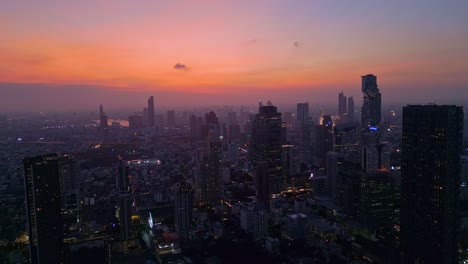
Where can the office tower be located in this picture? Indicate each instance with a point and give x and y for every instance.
(43, 208)
(348, 187)
(430, 184)
(171, 119)
(183, 207)
(377, 205)
(304, 129)
(151, 111)
(102, 117)
(342, 108)
(302, 113)
(124, 200)
(334, 161)
(266, 145)
(350, 113)
(323, 140)
(346, 141)
(371, 110)
(209, 176)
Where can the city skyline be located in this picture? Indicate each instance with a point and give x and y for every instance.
(229, 51)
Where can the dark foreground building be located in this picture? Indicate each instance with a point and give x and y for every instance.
(431, 147)
(43, 208)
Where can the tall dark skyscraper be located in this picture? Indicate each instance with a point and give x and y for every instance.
(350, 113)
(430, 184)
(124, 200)
(208, 179)
(102, 117)
(266, 145)
(183, 207)
(342, 105)
(302, 113)
(151, 111)
(304, 125)
(43, 208)
(371, 111)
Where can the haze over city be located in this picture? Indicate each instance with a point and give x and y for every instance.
(233, 52)
(227, 132)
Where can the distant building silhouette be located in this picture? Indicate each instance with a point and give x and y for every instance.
(102, 117)
(371, 110)
(430, 183)
(342, 107)
(151, 111)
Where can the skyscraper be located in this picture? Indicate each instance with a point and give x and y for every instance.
(305, 129)
(209, 177)
(302, 113)
(183, 207)
(371, 111)
(430, 183)
(43, 209)
(266, 145)
(342, 106)
(124, 200)
(350, 113)
(151, 111)
(102, 117)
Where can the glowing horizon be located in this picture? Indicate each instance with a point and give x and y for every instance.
(216, 46)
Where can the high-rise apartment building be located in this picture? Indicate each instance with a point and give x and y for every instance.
(209, 174)
(183, 208)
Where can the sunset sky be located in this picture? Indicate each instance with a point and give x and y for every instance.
(230, 51)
